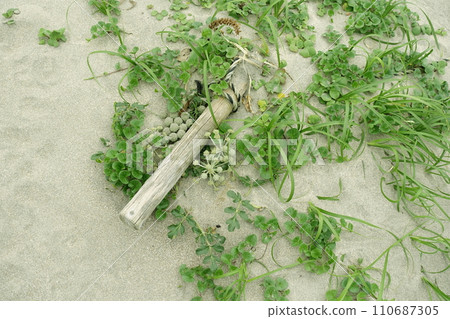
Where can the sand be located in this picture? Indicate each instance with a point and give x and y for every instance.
(60, 235)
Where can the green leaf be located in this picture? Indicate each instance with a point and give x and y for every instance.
(233, 224)
(316, 253)
(251, 240)
(291, 212)
(111, 153)
(281, 284)
(247, 257)
(218, 248)
(226, 259)
(231, 52)
(123, 177)
(296, 241)
(197, 298)
(230, 210)
(244, 215)
(129, 132)
(135, 185)
(331, 295)
(290, 226)
(334, 94)
(292, 133)
(122, 157)
(10, 12)
(326, 97)
(216, 59)
(175, 230)
(137, 124)
(187, 274)
(114, 177)
(98, 157)
(117, 166)
(236, 197)
(202, 250)
(248, 205)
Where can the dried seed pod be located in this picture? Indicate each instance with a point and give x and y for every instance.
(174, 127)
(173, 137)
(173, 115)
(185, 116)
(168, 121)
(226, 21)
(189, 122)
(178, 120)
(181, 133)
(183, 127)
(165, 140)
(166, 131)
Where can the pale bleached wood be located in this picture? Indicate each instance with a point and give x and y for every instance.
(169, 171)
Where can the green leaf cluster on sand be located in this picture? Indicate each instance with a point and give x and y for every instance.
(387, 99)
(52, 38)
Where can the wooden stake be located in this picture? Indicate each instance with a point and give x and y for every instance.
(141, 206)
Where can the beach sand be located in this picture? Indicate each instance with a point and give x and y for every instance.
(60, 235)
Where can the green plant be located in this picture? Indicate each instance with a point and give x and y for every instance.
(182, 28)
(395, 103)
(302, 44)
(106, 7)
(238, 210)
(178, 5)
(210, 243)
(275, 289)
(332, 35)
(434, 287)
(431, 242)
(102, 28)
(329, 7)
(159, 15)
(226, 271)
(129, 164)
(356, 285)
(9, 15)
(315, 235)
(215, 160)
(52, 38)
(205, 3)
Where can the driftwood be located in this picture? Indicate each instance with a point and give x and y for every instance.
(169, 171)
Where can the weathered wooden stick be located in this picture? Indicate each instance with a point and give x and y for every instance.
(141, 206)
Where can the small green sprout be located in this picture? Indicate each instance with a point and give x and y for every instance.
(52, 38)
(9, 14)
